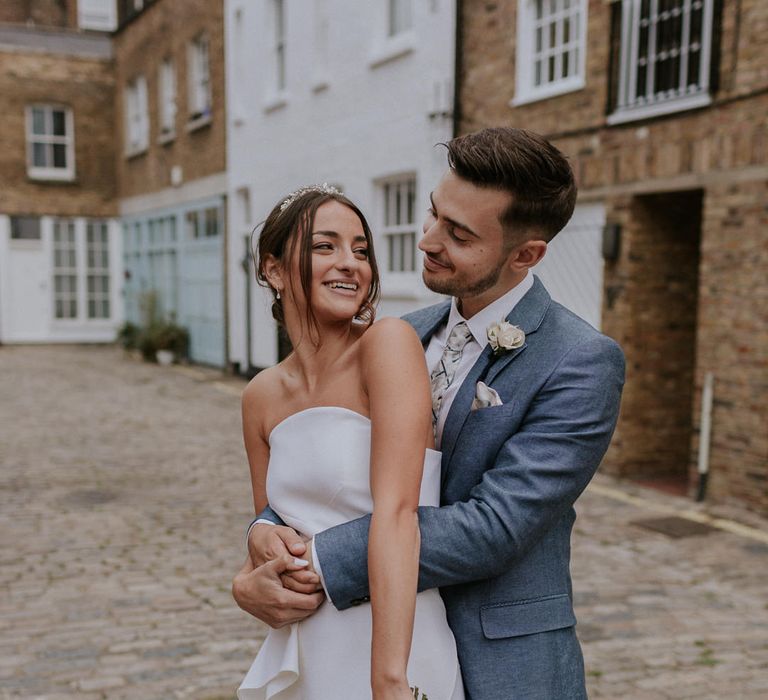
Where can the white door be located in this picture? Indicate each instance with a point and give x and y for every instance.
(572, 269)
(24, 284)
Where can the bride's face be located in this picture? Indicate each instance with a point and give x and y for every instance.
(341, 271)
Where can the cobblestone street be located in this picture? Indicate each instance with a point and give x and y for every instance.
(125, 495)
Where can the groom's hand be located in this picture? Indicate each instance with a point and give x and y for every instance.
(270, 542)
(260, 592)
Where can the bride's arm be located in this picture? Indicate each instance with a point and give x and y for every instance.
(266, 543)
(256, 445)
(397, 383)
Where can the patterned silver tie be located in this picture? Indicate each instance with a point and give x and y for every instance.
(445, 370)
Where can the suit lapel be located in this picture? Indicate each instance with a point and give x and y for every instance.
(528, 314)
(430, 320)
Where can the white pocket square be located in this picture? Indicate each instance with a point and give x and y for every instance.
(485, 396)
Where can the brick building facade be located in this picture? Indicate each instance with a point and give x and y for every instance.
(57, 178)
(170, 132)
(194, 144)
(661, 108)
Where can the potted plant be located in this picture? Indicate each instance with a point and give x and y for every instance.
(171, 341)
(164, 342)
(128, 336)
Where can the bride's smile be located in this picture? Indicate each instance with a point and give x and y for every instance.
(341, 271)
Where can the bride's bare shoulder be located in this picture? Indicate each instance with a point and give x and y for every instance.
(390, 336)
(263, 388)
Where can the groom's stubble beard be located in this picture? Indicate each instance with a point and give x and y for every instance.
(459, 287)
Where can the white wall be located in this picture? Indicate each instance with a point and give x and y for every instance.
(351, 113)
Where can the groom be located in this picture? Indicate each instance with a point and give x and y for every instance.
(522, 419)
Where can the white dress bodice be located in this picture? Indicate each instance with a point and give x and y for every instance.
(319, 469)
(319, 477)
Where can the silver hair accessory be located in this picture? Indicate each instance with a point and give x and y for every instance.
(325, 188)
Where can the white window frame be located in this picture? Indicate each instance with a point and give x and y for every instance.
(399, 259)
(399, 17)
(32, 224)
(278, 46)
(393, 37)
(199, 81)
(536, 49)
(71, 267)
(166, 100)
(320, 77)
(100, 15)
(136, 117)
(67, 270)
(203, 224)
(631, 104)
(48, 139)
(99, 283)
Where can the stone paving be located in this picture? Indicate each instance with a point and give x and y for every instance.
(124, 494)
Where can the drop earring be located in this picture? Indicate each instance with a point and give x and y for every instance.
(278, 294)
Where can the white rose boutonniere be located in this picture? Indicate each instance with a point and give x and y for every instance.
(504, 336)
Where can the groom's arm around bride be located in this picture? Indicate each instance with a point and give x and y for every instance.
(499, 545)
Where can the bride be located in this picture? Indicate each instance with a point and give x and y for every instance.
(340, 428)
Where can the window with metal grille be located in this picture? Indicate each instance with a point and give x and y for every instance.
(551, 48)
(662, 57)
(399, 223)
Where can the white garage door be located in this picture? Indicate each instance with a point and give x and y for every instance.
(572, 269)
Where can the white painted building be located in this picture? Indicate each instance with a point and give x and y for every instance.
(356, 95)
(353, 94)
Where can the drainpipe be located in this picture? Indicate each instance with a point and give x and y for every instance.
(704, 434)
(246, 265)
(457, 70)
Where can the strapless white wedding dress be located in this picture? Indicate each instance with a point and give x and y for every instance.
(318, 477)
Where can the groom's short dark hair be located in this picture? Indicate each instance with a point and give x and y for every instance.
(530, 168)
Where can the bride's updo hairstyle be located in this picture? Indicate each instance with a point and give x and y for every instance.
(288, 228)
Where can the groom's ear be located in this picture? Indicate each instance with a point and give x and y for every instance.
(527, 254)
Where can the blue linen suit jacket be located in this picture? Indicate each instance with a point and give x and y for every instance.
(499, 546)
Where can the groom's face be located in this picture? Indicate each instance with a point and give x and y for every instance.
(464, 248)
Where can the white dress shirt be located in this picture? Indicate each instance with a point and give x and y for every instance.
(495, 312)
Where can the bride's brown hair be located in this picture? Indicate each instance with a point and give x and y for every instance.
(290, 226)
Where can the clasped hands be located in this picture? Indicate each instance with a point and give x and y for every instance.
(277, 583)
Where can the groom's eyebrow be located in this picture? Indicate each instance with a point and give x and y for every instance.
(453, 222)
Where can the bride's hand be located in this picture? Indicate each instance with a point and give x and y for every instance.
(259, 591)
(270, 542)
(304, 580)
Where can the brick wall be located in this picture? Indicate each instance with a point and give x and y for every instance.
(45, 13)
(712, 162)
(733, 339)
(86, 85)
(651, 310)
(139, 49)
